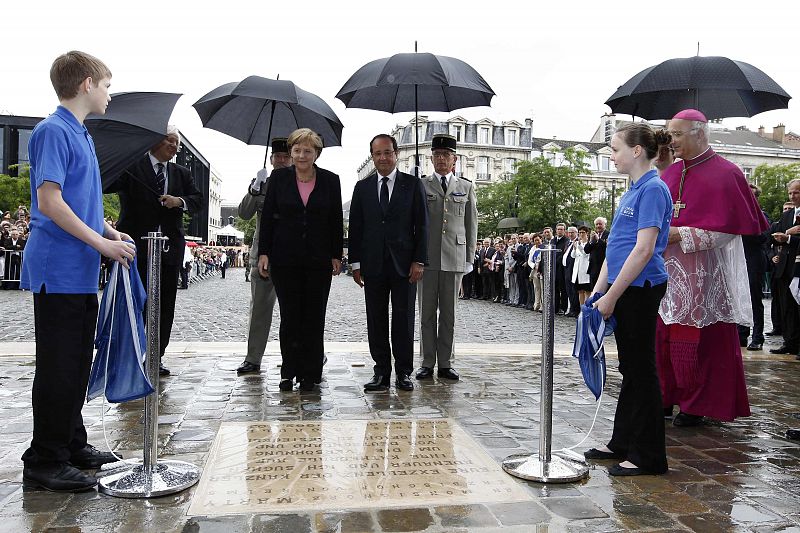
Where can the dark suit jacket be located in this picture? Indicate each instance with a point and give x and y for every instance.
(293, 234)
(141, 212)
(402, 232)
(785, 267)
(597, 254)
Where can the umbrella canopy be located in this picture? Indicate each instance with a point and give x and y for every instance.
(132, 124)
(257, 109)
(588, 347)
(717, 86)
(509, 223)
(416, 82)
(118, 369)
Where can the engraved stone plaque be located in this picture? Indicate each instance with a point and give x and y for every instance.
(295, 466)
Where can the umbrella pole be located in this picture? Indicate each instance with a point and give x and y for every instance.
(544, 467)
(152, 478)
(416, 129)
(269, 131)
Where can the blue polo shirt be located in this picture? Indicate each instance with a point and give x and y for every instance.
(648, 204)
(62, 151)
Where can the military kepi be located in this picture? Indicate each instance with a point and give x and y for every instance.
(279, 144)
(443, 142)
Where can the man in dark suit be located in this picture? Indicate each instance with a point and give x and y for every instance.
(14, 244)
(388, 249)
(596, 248)
(786, 232)
(484, 271)
(154, 194)
(568, 263)
(755, 255)
(560, 241)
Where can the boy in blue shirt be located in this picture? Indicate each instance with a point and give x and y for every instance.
(61, 268)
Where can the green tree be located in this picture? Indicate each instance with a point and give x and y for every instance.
(549, 193)
(773, 180)
(493, 205)
(602, 207)
(248, 227)
(15, 190)
(111, 206)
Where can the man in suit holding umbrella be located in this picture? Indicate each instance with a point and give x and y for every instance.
(388, 249)
(154, 194)
(453, 230)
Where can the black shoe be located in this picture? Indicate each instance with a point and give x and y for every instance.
(755, 347)
(781, 349)
(404, 382)
(378, 383)
(793, 434)
(60, 477)
(617, 470)
(286, 385)
(424, 372)
(307, 385)
(742, 343)
(687, 420)
(162, 370)
(773, 333)
(447, 373)
(594, 453)
(247, 367)
(90, 458)
(668, 412)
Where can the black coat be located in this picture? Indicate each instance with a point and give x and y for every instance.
(141, 212)
(785, 267)
(597, 254)
(402, 232)
(293, 234)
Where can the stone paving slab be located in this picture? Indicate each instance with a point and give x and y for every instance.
(738, 476)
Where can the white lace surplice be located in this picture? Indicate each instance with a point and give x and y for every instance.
(707, 280)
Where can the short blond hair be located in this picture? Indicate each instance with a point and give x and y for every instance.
(305, 136)
(69, 70)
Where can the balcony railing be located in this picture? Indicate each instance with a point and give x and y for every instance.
(483, 177)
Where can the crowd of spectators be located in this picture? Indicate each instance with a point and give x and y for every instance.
(509, 269)
(13, 236)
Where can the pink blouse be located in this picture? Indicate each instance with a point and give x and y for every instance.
(305, 188)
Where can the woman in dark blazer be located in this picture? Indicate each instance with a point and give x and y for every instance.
(300, 247)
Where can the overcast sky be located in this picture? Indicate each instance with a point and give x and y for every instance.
(555, 64)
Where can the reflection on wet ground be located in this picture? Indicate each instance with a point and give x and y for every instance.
(738, 476)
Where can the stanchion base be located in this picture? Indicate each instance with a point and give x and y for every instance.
(168, 477)
(558, 470)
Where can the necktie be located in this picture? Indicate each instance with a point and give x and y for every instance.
(161, 178)
(384, 194)
(444, 183)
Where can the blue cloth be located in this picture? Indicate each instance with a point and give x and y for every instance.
(118, 369)
(590, 331)
(647, 204)
(62, 151)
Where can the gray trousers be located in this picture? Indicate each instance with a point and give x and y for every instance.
(438, 290)
(262, 301)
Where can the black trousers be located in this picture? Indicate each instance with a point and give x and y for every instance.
(64, 326)
(477, 284)
(572, 294)
(561, 288)
(466, 285)
(377, 292)
(522, 285)
(639, 419)
(790, 315)
(776, 309)
(487, 284)
(756, 298)
(303, 298)
(169, 292)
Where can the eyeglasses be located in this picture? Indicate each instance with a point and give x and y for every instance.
(385, 153)
(441, 155)
(677, 134)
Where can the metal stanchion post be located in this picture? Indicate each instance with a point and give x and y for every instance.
(153, 477)
(544, 467)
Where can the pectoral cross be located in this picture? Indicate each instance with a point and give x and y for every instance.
(676, 208)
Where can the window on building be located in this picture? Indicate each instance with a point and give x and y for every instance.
(460, 166)
(421, 131)
(483, 136)
(508, 165)
(551, 157)
(455, 131)
(511, 137)
(605, 163)
(483, 169)
(22, 152)
(748, 172)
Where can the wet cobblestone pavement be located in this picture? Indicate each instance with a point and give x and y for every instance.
(737, 476)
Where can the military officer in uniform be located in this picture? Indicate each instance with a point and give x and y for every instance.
(453, 231)
(262, 292)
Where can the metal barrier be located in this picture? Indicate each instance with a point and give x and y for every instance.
(545, 467)
(152, 478)
(10, 267)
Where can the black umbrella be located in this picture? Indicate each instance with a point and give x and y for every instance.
(256, 109)
(414, 82)
(717, 86)
(132, 124)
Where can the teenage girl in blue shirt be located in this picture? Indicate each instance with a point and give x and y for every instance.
(634, 280)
